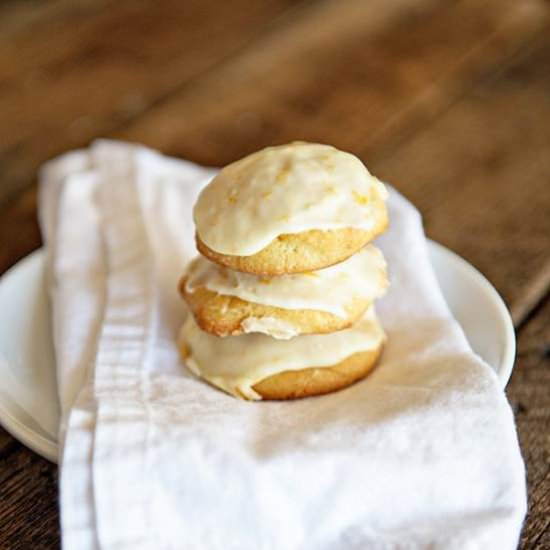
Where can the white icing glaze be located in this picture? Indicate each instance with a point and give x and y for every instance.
(330, 289)
(276, 328)
(285, 189)
(236, 363)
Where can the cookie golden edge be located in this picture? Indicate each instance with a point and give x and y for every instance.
(313, 381)
(319, 380)
(301, 252)
(224, 315)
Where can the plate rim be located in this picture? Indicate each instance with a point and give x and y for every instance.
(509, 353)
(40, 444)
(34, 440)
(48, 448)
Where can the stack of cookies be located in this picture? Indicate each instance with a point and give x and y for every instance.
(282, 294)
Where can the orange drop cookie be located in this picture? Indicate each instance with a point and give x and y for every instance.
(227, 315)
(301, 252)
(226, 302)
(255, 366)
(289, 209)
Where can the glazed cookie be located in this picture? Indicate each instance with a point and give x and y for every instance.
(319, 380)
(226, 302)
(255, 366)
(301, 252)
(289, 209)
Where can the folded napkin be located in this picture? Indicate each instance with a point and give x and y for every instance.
(421, 454)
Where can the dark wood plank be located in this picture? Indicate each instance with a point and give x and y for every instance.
(473, 149)
(17, 15)
(543, 542)
(104, 67)
(28, 506)
(479, 174)
(216, 130)
(377, 93)
(530, 398)
(360, 78)
(7, 443)
(106, 63)
(19, 231)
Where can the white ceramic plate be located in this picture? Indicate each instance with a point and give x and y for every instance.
(29, 407)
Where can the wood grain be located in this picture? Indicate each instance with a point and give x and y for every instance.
(96, 65)
(479, 175)
(19, 232)
(7, 443)
(528, 392)
(384, 94)
(28, 507)
(17, 15)
(361, 78)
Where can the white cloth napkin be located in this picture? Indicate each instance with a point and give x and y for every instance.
(421, 454)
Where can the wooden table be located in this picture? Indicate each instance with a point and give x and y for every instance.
(449, 101)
